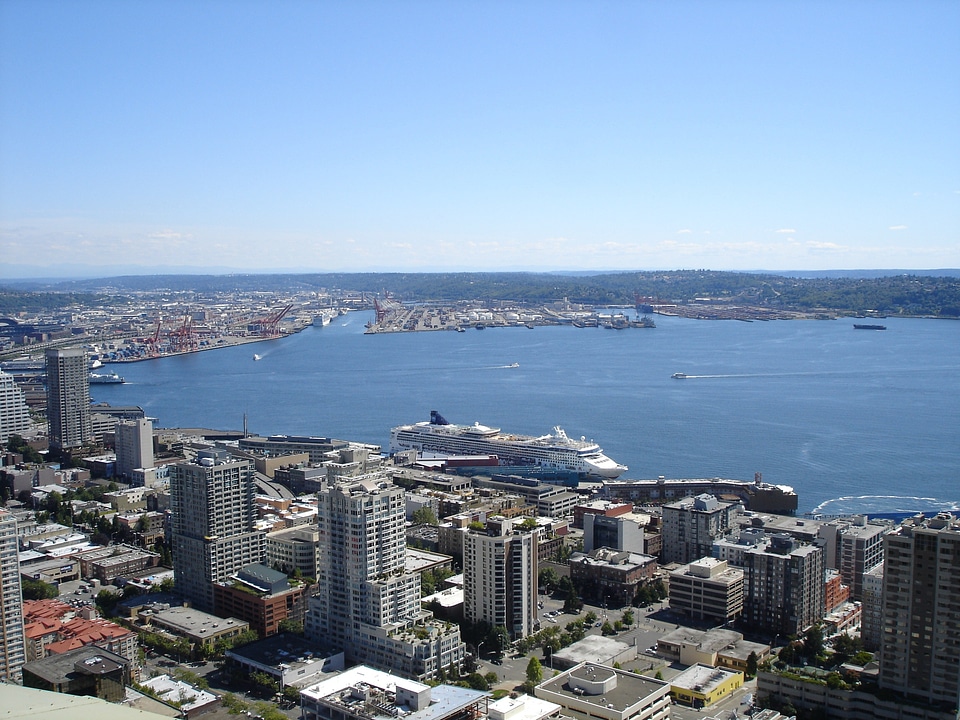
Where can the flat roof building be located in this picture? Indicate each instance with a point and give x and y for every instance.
(591, 691)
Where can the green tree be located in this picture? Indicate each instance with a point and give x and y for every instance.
(547, 579)
(425, 516)
(628, 618)
(534, 671)
(37, 589)
(751, 665)
(477, 681)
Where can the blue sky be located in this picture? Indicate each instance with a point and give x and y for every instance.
(422, 136)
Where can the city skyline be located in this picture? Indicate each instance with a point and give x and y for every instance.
(420, 136)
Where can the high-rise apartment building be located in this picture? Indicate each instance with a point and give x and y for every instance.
(920, 621)
(14, 413)
(367, 603)
(853, 547)
(500, 576)
(12, 647)
(691, 525)
(783, 586)
(133, 441)
(68, 398)
(212, 523)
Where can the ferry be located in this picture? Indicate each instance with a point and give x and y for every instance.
(105, 379)
(554, 452)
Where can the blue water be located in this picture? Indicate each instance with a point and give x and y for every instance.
(854, 420)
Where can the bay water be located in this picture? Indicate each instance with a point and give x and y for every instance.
(853, 420)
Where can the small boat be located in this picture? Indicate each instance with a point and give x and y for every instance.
(257, 357)
(679, 376)
(869, 327)
(513, 365)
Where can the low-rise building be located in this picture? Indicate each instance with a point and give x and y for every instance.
(700, 686)
(84, 671)
(611, 577)
(262, 597)
(717, 647)
(198, 627)
(600, 692)
(191, 700)
(362, 693)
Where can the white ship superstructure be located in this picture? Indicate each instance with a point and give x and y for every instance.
(556, 451)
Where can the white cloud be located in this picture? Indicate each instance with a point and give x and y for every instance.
(788, 231)
(898, 227)
(815, 245)
(685, 231)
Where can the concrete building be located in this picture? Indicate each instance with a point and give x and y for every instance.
(606, 508)
(367, 603)
(68, 398)
(920, 644)
(85, 671)
(707, 589)
(12, 648)
(691, 525)
(133, 441)
(871, 605)
(364, 693)
(853, 547)
(500, 569)
(600, 692)
(212, 523)
(14, 413)
(198, 627)
(717, 647)
(296, 548)
(617, 532)
(784, 586)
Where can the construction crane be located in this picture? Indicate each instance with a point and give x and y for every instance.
(153, 341)
(270, 325)
(184, 339)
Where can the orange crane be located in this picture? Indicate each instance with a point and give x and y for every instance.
(184, 339)
(270, 325)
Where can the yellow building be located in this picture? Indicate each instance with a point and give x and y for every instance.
(701, 685)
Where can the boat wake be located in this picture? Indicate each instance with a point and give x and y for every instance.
(884, 505)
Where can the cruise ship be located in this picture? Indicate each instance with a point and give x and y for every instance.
(555, 452)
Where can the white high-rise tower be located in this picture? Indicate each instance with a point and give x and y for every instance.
(367, 603)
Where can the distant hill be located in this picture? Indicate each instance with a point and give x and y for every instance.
(887, 292)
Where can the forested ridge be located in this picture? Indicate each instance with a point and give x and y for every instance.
(904, 294)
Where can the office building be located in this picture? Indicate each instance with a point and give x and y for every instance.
(12, 648)
(707, 589)
(783, 586)
(617, 532)
(500, 575)
(691, 525)
(14, 413)
(920, 622)
(133, 441)
(68, 398)
(212, 523)
(367, 602)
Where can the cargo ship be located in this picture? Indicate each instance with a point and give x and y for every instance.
(555, 452)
